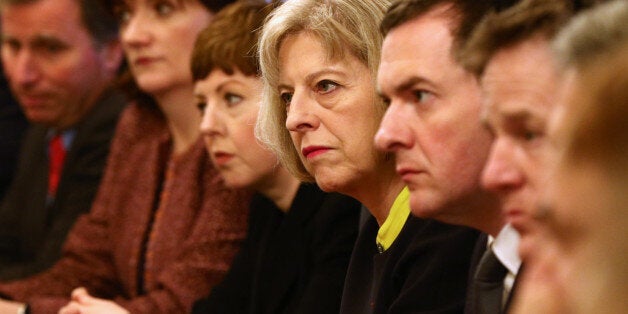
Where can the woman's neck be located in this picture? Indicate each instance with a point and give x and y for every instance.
(378, 191)
(182, 117)
(281, 188)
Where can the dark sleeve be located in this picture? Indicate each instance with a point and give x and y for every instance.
(478, 251)
(435, 269)
(12, 127)
(233, 294)
(13, 124)
(336, 229)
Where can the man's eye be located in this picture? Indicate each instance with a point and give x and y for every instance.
(201, 107)
(49, 47)
(12, 45)
(326, 86)
(164, 8)
(122, 13)
(530, 135)
(53, 48)
(422, 96)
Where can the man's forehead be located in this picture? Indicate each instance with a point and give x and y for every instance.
(514, 112)
(47, 16)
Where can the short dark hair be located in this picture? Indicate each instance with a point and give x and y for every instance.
(229, 42)
(465, 13)
(99, 22)
(510, 27)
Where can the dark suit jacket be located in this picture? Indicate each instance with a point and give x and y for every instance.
(32, 233)
(478, 251)
(290, 263)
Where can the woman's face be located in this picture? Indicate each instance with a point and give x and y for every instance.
(331, 113)
(229, 104)
(158, 37)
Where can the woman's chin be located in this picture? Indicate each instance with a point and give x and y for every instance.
(330, 184)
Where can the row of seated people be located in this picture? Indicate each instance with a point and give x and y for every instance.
(386, 157)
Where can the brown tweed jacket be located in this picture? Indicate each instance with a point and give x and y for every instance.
(194, 237)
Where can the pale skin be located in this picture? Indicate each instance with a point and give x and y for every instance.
(10, 307)
(331, 118)
(83, 303)
(229, 105)
(432, 124)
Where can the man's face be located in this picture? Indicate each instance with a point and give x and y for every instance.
(520, 85)
(50, 60)
(432, 123)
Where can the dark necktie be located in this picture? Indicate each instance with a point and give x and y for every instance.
(488, 284)
(56, 155)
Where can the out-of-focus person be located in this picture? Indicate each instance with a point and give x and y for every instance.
(320, 112)
(295, 256)
(578, 258)
(163, 228)
(511, 52)
(60, 58)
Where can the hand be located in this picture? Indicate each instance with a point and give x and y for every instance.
(83, 303)
(10, 307)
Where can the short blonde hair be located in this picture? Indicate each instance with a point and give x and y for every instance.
(342, 26)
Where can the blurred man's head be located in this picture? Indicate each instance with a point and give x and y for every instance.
(59, 55)
(512, 54)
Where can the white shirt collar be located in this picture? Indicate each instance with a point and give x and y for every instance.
(506, 246)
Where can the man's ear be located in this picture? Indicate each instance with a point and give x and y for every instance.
(112, 55)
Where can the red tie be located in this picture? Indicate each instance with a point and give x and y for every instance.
(57, 155)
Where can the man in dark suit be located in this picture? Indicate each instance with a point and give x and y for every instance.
(433, 128)
(511, 53)
(60, 58)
